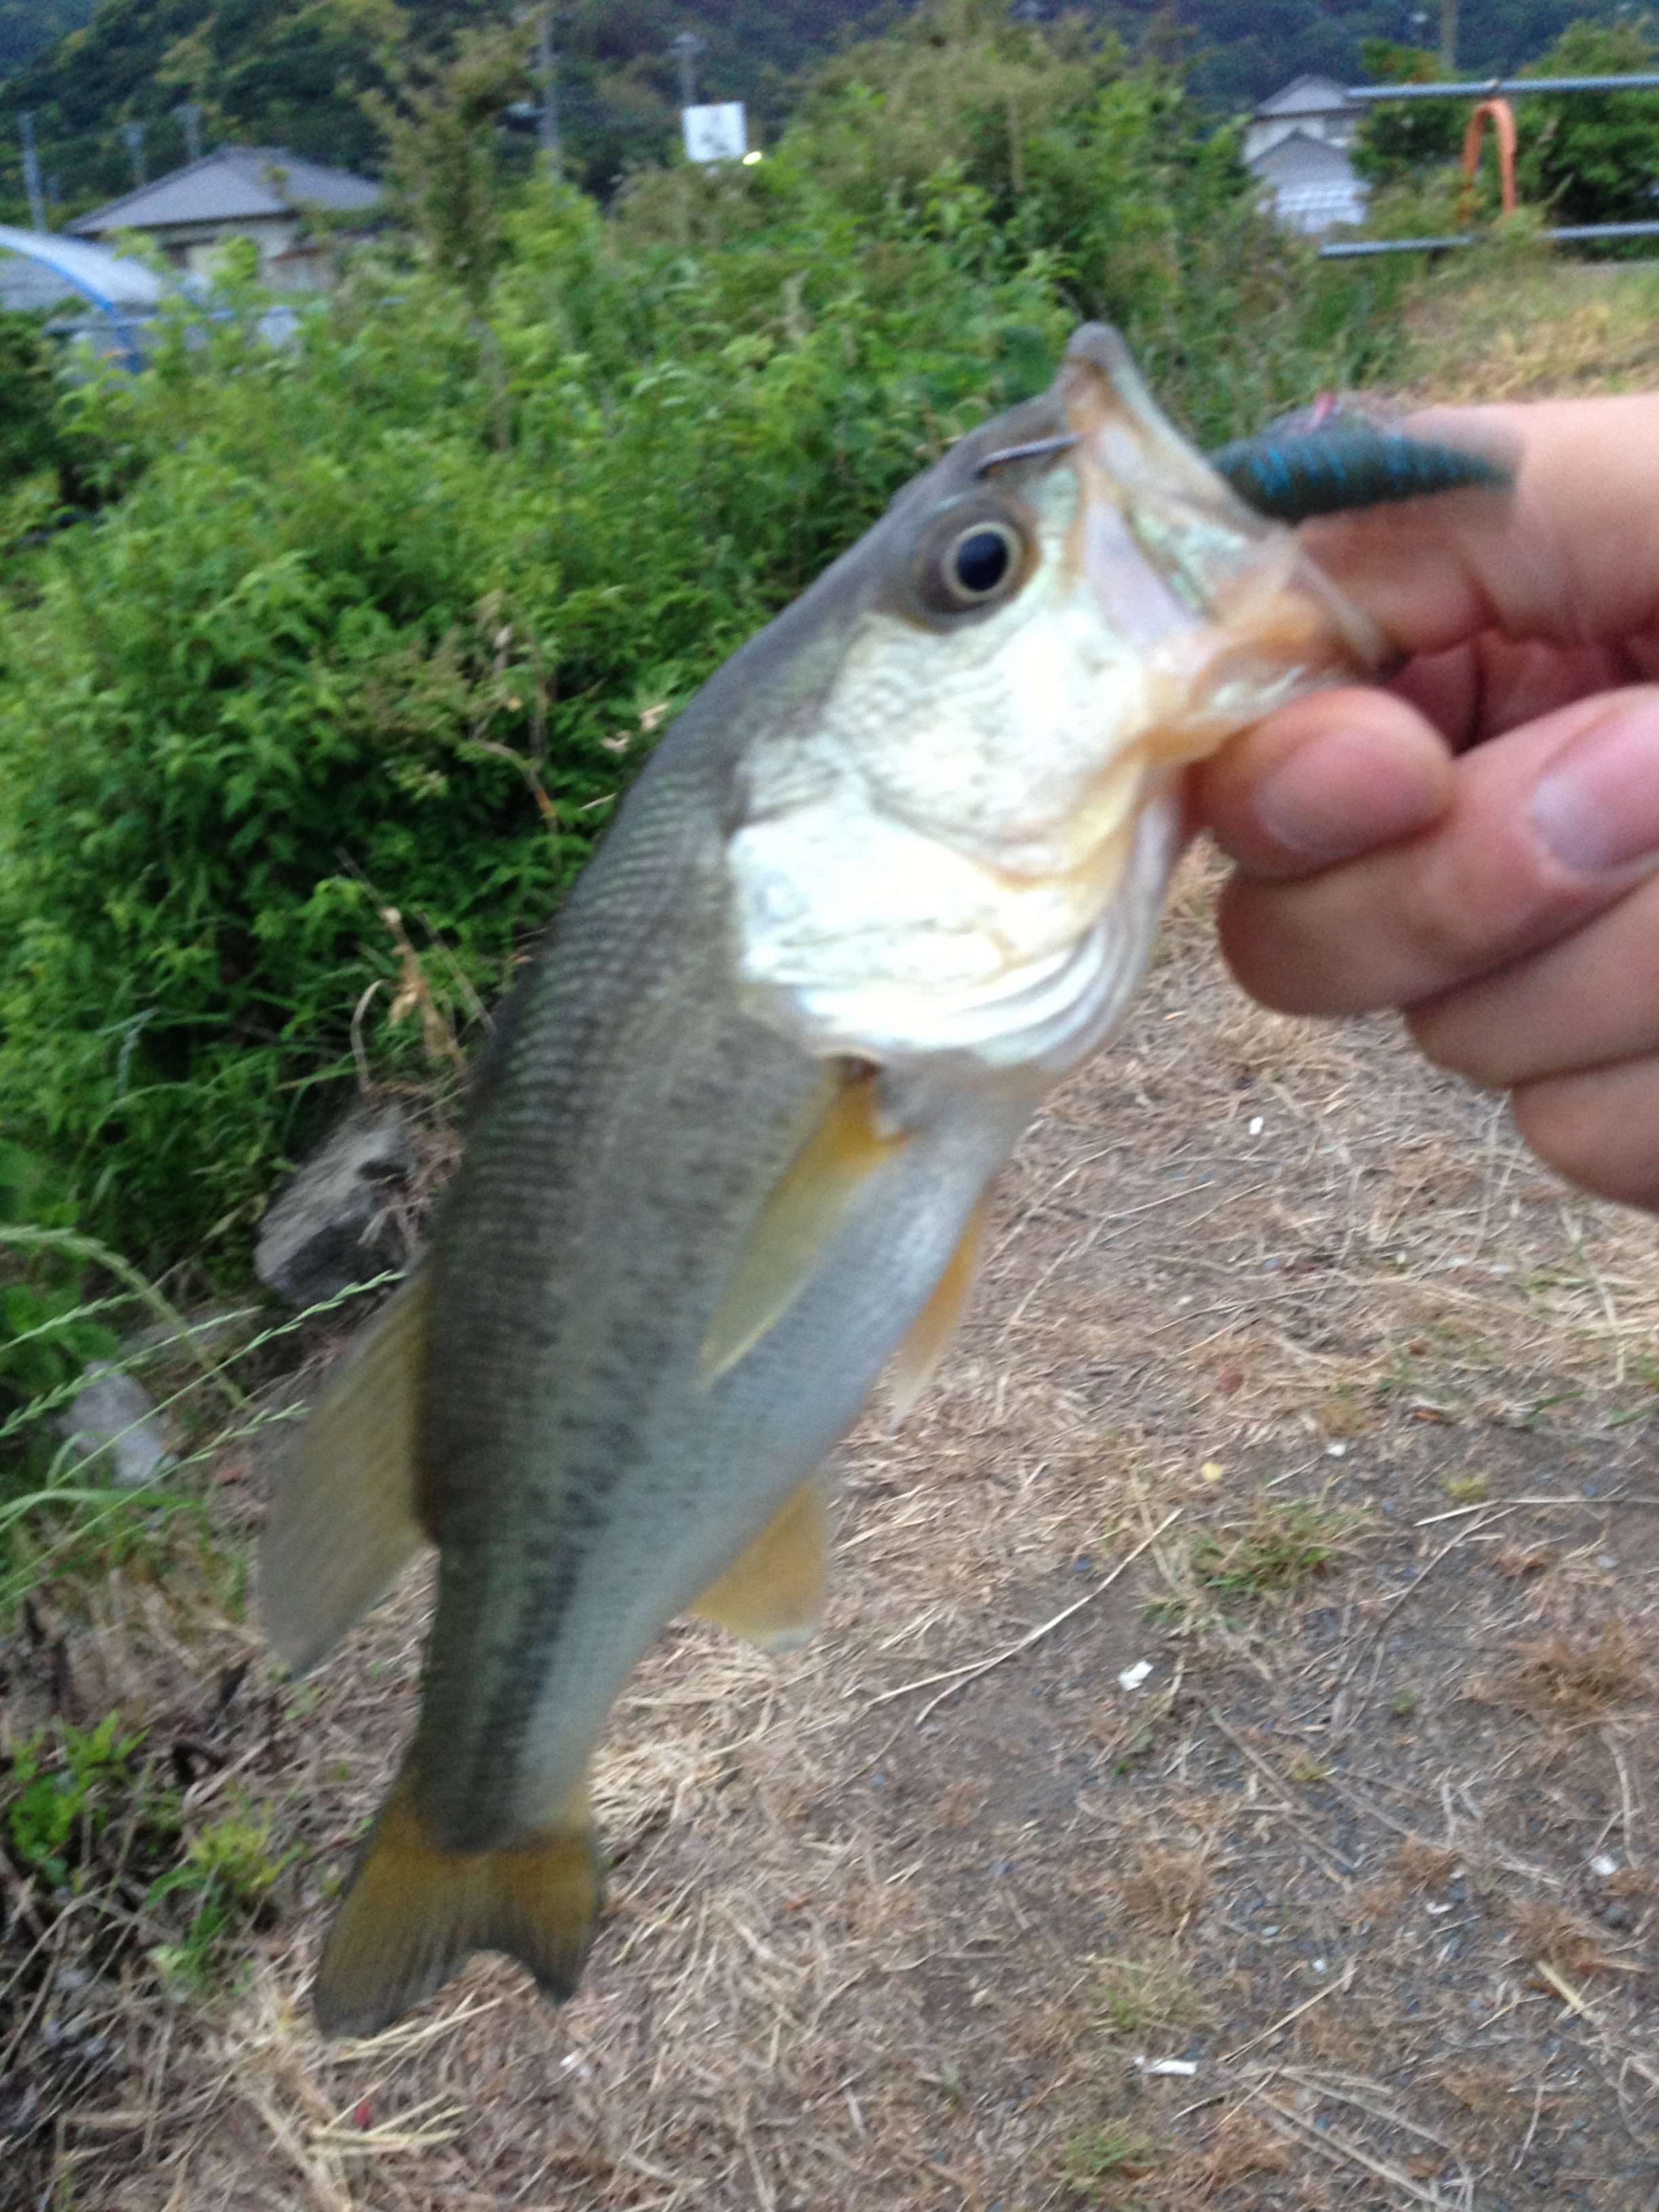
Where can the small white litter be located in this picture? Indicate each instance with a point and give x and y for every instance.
(1257, 1125)
(1186, 2068)
(1603, 1866)
(1133, 1677)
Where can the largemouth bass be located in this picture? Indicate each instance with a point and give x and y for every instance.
(894, 871)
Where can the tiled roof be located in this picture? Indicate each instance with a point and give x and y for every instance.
(231, 184)
(1305, 95)
(1299, 158)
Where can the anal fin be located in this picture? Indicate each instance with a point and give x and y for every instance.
(344, 1522)
(916, 1362)
(773, 1593)
(414, 1914)
(802, 1217)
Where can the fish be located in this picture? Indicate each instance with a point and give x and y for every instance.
(893, 873)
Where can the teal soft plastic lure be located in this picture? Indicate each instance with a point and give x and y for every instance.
(1294, 477)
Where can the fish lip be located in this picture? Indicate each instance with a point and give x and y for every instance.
(1203, 552)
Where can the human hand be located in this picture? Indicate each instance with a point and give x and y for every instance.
(1479, 844)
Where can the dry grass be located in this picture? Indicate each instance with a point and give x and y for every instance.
(1367, 1859)
(1532, 329)
(1580, 1676)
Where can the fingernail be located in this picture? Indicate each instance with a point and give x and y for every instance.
(1597, 806)
(1344, 793)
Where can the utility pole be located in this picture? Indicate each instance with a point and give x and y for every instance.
(188, 115)
(1448, 36)
(685, 50)
(547, 70)
(31, 173)
(134, 134)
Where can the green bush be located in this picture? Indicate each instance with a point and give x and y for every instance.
(1594, 157)
(28, 398)
(1399, 139)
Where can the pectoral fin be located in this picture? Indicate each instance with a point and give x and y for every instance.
(918, 1356)
(413, 1914)
(773, 1593)
(802, 1217)
(344, 1522)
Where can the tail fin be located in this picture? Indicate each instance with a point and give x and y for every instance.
(413, 1914)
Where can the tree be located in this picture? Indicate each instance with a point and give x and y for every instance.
(1398, 138)
(442, 135)
(1594, 156)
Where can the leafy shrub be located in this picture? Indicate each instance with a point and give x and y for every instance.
(1594, 156)
(1400, 138)
(28, 398)
(91, 1825)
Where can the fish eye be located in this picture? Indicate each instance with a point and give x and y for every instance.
(979, 560)
(975, 565)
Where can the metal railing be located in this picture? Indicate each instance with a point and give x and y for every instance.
(1499, 88)
(1360, 249)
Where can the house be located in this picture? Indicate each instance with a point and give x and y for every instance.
(1296, 143)
(1317, 106)
(257, 192)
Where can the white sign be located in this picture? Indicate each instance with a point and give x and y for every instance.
(715, 133)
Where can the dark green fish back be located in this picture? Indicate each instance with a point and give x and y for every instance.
(1337, 470)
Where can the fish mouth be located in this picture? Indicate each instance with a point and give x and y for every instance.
(1177, 563)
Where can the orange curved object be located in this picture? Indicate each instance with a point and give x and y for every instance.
(1501, 117)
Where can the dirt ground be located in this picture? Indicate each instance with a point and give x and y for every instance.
(1225, 1779)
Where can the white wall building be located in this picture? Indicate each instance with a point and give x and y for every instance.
(1317, 105)
(1296, 144)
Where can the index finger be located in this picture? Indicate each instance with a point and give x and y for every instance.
(1571, 557)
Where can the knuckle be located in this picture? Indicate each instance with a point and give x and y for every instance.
(1450, 1034)
(1283, 966)
(1474, 902)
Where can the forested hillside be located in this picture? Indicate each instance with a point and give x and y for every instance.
(28, 27)
(291, 72)
(1240, 54)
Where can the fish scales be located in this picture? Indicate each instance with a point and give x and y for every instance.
(893, 873)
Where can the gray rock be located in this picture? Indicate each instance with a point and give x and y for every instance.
(332, 1226)
(113, 1426)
